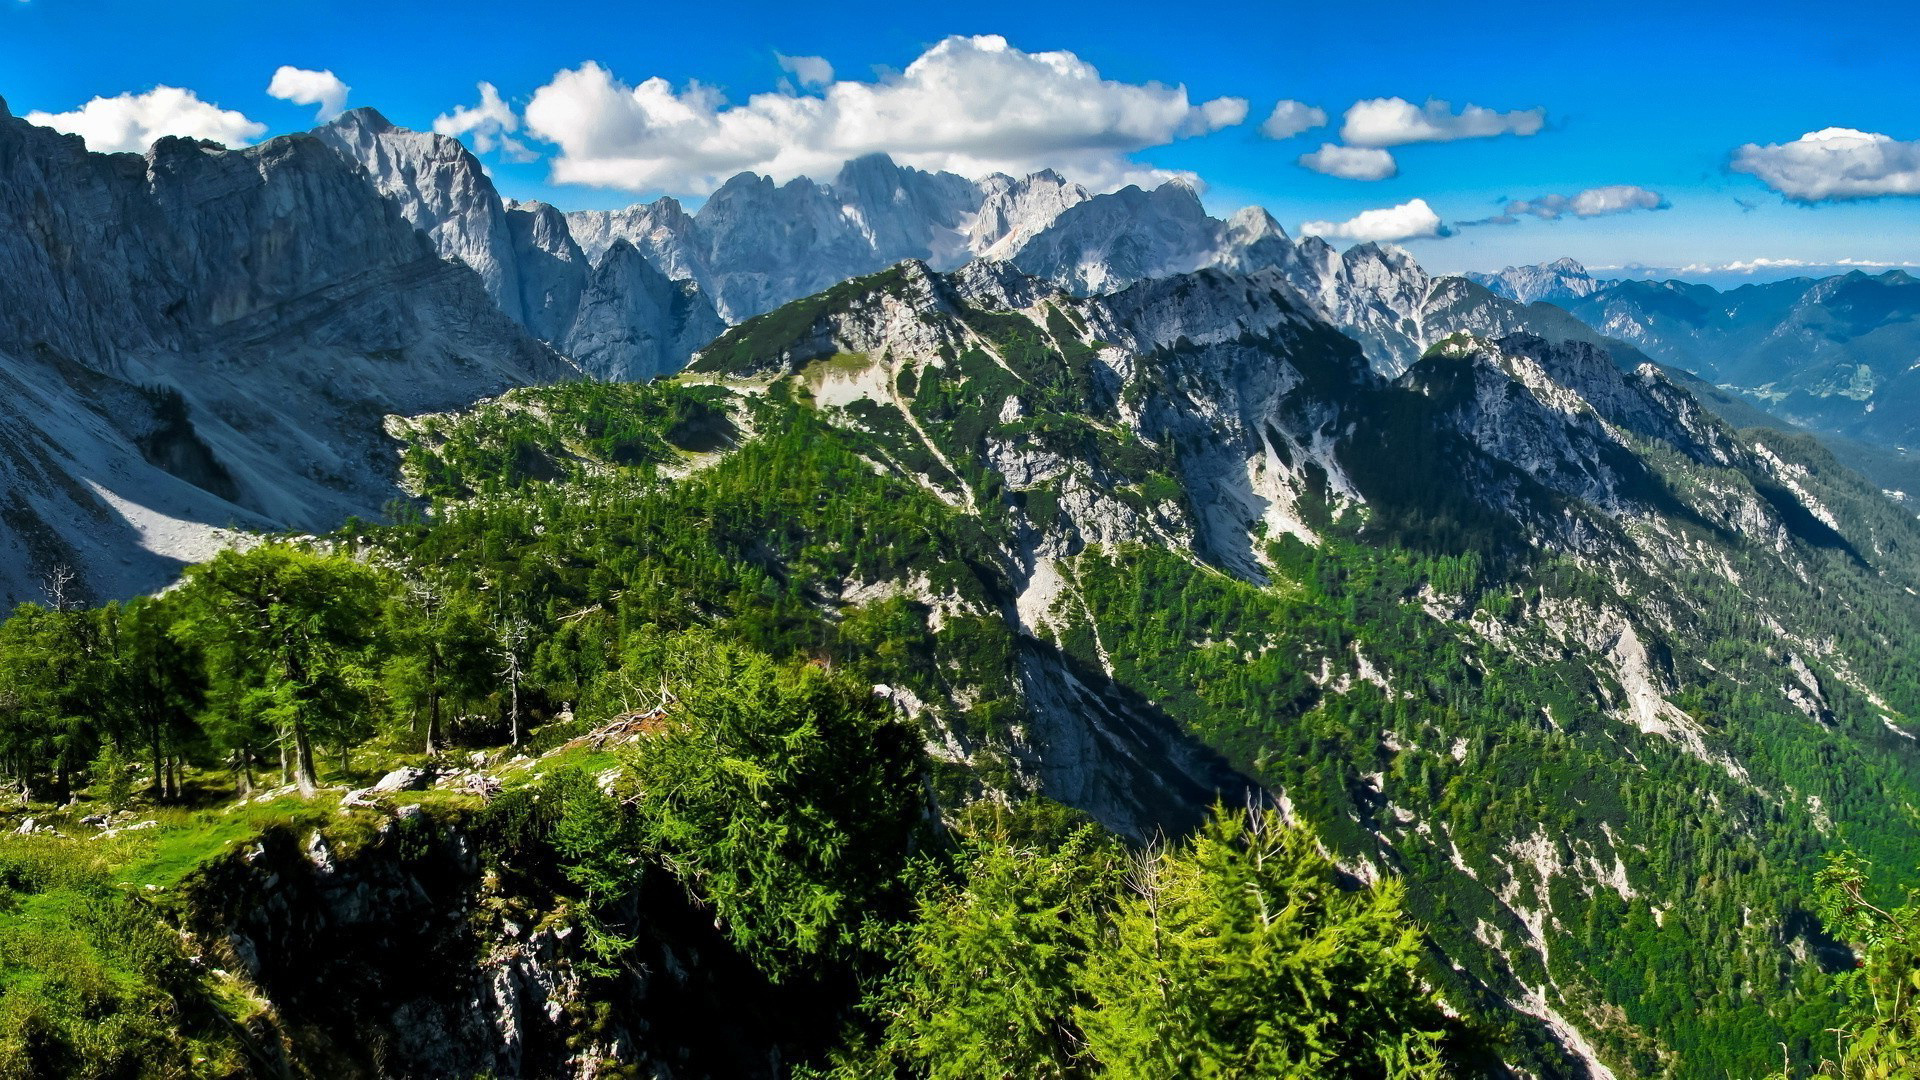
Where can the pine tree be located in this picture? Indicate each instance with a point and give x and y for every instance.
(1238, 954)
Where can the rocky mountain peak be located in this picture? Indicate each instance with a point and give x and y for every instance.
(869, 171)
(1251, 224)
(440, 188)
(1559, 281)
(364, 118)
(207, 337)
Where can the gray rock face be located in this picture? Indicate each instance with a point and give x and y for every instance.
(1111, 241)
(202, 338)
(553, 270)
(525, 255)
(440, 189)
(756, 245)
(1014, 211)
(633, 323)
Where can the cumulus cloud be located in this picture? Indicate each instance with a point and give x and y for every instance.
(303, 87)
(1408, 221)
(807, 70)
(1290, 118)
(1834, 163)
(971, 105)
(1397, 121)
(487, 127)
(1351, 162)
(131, 122)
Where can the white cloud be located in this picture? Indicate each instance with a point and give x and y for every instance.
(488, 126)
(808, 70)
(303, 87)
(1290, 118)
(1408, 221)
(1593, 202)
(1397, 121)
(131, 122)
(1834, 163)
(1351, 162)
(971, 105)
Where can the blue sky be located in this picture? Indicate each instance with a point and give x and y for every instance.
(1652, 98)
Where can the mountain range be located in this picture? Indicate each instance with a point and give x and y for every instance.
(1539, 635)
(1501, 583)
(631, 294)
(1833, 356)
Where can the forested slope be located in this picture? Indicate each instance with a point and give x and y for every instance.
(886, 630)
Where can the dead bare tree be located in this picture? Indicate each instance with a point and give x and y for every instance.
(512, 635)
(56, 586)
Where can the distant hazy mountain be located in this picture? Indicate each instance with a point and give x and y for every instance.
(755, 244)
(1835, 355)
(1557, 282)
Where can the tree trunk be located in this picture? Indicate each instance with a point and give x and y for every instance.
(514, 714)
(303, 770)
(159, 789)
(433, 698)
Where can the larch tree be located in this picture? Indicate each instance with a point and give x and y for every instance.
(288, 635)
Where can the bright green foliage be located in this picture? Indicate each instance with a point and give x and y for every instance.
(90, 984)
(1238, 954)
(150, 686)
(288, 635)
(50, 674)
(112, 779)
(1235, 953)
(987, 982)
(1880, 1039)
(441, 659)
(787, 798)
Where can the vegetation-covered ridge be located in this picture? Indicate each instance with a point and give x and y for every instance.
(1583, 680)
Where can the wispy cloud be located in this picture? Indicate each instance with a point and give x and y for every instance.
(1756, 266)
(1351, 162)
(1593, 202)
(806, 70)
(488, 126)
(1290, 118)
